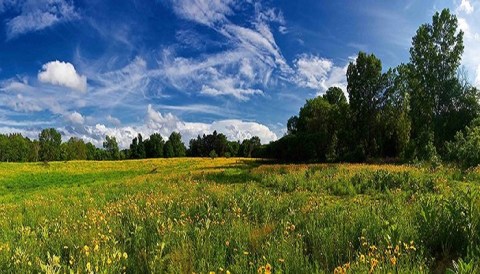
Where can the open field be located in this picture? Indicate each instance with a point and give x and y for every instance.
(234, 215)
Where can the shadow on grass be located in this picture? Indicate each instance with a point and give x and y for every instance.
(235, 173)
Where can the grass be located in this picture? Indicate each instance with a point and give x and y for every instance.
(237, 215)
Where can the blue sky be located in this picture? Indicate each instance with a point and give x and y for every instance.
(98, 67)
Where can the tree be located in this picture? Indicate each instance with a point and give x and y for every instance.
(365, 86)
(436, 94)
(111, 148)
(174, 147)
(154, 146)
(137, 148)
(292, 125)
(465, 148)
(75, 149)
(213, 154)
(248, 146)
(395, 120)
(50, 140)
(91, 151)
(168, 150)
(233, 148)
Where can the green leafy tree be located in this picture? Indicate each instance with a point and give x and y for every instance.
(438, 99)
(154, 146)
(168, 150)
(178, 147)
(75, 149)
(112, 151)
(50, 141)
(365, 86)
(137, 148)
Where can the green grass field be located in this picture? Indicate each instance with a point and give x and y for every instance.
(235, 216)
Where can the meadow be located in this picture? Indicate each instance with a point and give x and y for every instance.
(194, 215)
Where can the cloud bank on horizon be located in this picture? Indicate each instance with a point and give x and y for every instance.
(193, 66)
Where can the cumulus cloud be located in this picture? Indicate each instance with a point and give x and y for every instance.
(37, 15)
(318, 73)
(234, 129)
(465, 6)
(62, 74)
(165, 124)
(75, 118)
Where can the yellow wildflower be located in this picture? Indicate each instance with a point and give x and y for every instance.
(56, 260)
(89, 267)
(268, 268)
(393, 260)
(125, 255)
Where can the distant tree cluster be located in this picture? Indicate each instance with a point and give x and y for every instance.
(49, 147)
(416, 111)
(217, 145)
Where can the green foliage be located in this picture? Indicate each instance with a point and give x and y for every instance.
(440, 104)
(365, 87)
(50, 140)
(178, 148)
(154, 146)
(137, 148)
(213, 154)
(203, 146)
(111, 149)
(465, 148)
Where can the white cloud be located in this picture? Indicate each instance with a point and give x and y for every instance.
(318, 73)
(206, 12)
(165, 124)
(469, 22)
(243, 69)
(62, 74)
(37, 15)
(465, 6)
(113, 120)
(464, 26)
(75, 118)
(234, 129)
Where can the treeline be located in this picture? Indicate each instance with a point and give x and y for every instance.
(49, 147)
(416, 111)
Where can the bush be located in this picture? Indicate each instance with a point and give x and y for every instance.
(465, 149)
(213, 154)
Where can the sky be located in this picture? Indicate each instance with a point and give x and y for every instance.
(93, 68)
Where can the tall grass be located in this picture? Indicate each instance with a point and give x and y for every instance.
(235, 215)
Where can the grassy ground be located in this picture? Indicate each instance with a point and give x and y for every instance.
(235, 215)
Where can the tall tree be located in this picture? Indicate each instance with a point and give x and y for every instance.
(436, 94)
(175, 148)
(50, 140)
(137, 148)
(365, 86)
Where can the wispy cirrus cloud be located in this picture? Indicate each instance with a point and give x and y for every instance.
(36, 15)
(242, 70)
